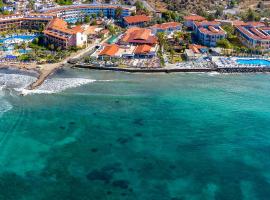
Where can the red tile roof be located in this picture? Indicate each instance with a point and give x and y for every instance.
(142, 49)
(139, 35)
(109, 50)
(194, 18)
(253, 32)
(136, 19)
(238, 23)
(195, 47)
(78, 29)
(207, 23)
(167, 25)
(255, 24)
(62, 26)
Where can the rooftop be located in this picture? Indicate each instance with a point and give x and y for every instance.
(256, 31)
(194, 18)
(139, 35)
(210, 27)
(167, 25)
(136, 19)
(142, 49)
(109, 50)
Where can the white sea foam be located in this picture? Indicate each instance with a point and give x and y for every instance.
(213, 73)
(4, 106)
(56, 85)
(15, 81)
(19, 83)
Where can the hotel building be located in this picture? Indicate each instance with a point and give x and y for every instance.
(33, 21)
(73, 13)
(208, 32)
(58, 34)
(254, 35)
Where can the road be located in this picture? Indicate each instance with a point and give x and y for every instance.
(148, 6)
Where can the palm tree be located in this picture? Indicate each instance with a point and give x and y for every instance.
(118, 12)
(177, 35)
(162, 40)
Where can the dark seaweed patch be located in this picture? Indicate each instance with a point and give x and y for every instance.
(138, 134)
(138, 122)
(123, 184)
(112, 168)
(94, 150)
(122, 140)
(97, 175)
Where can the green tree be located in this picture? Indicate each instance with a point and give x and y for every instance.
(161, 40)
(224, 43)
(118, 12)
(87, 19)
(36, 41)
(139, 6)
(112, 29)
(51, 47)
(94, 15)
(100, 14)
(210, 17)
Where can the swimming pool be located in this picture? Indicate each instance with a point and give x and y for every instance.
(253, 62)
(18, 38)
(112, 39)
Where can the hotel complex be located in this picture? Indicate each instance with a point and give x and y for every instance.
(254, 35)
(132, 36)
(135, 43)
(74, 12)
(208, 32)
(54, 22)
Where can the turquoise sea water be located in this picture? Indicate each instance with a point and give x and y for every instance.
(135, 136)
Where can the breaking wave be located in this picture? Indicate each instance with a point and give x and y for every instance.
(56, 85)
(18, 82)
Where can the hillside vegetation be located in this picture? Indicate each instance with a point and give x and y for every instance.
(199, 5)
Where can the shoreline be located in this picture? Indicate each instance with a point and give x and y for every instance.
(178, 70)
(46, 70)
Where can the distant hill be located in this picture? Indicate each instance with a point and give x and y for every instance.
(196, 5)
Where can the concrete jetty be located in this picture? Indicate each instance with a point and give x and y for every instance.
(44, 72)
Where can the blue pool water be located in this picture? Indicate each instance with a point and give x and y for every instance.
(23, 37)
(253, 62)
(23, 51)
(113, 39)
(72, 20)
